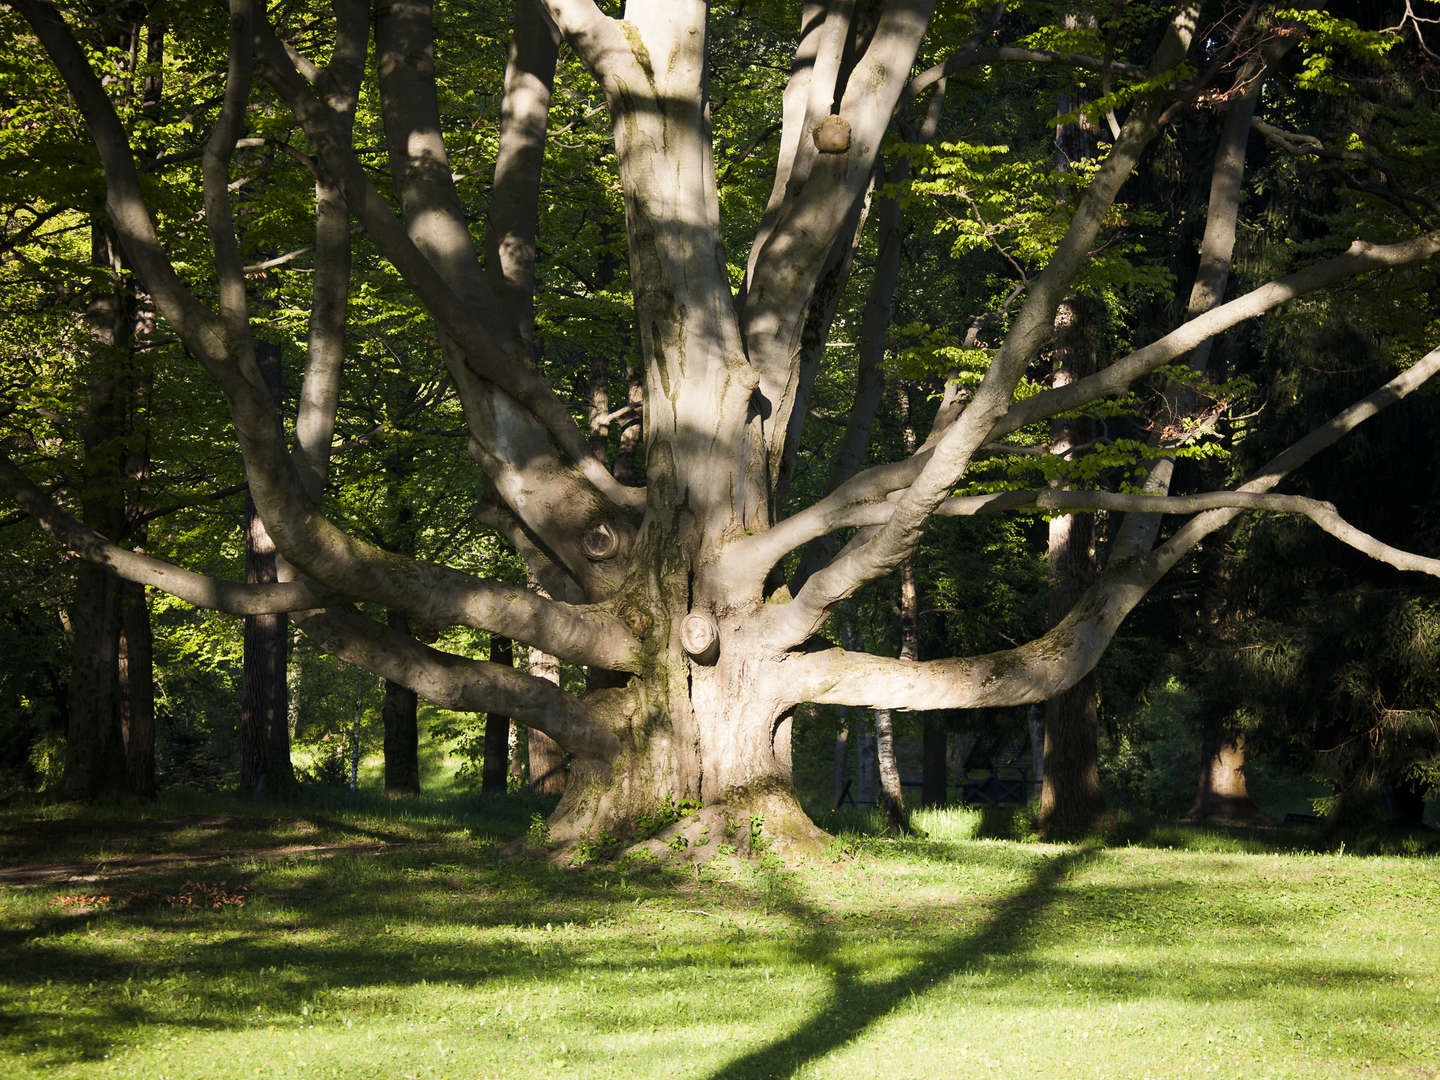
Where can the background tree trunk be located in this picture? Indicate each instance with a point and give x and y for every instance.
(265, 765)
(94, 749)
(892, 795)
(95, 765)
(494, 776)
(1223, 797)
(400, 715)
(136, 690)
(1070, 798)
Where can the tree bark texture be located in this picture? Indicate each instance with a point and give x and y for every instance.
(94, 747)
(892, 794)
(546, 758)
(136, 689)
(107, 707)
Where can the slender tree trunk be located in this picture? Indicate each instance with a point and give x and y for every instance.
(1037, 750)
(892, 795)
(518, 761)
(865, 769)
(627, 468)
(892, 798)
(265, 765)
(493, 778)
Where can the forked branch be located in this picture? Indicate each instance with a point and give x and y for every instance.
(1042, 668)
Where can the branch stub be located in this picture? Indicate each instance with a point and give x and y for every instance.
(832, 135)
(600, 542)
(700, 637)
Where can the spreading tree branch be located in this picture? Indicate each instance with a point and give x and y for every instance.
(948, 459)
(1048, 665)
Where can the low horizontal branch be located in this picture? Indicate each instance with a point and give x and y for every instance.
(456, 682)
(233, 598)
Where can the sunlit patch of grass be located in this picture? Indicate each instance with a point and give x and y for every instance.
(932, 956)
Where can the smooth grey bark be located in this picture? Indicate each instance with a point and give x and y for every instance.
(514, 212)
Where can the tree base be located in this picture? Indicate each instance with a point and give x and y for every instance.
(747, 825)
(1227, 810)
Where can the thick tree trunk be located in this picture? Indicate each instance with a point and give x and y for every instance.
(493, 776)
(265, 765)
(704, 720)
(716, 750)
(1070, 798)
(1222, 797)
(95, 765)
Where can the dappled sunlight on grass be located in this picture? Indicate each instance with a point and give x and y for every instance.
(430, 955)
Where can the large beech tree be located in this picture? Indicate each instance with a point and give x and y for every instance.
(672, 586)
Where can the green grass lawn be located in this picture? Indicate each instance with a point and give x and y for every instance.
(393, 940)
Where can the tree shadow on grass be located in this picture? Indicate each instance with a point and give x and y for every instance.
(321, 932)
(856, 1004)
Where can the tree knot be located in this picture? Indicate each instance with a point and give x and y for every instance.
(600, 541)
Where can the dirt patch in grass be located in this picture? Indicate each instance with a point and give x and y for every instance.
(120, 866)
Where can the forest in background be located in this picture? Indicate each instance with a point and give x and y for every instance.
(1271, 639)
